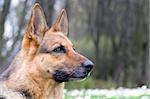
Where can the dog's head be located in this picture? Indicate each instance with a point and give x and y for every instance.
(50, 51)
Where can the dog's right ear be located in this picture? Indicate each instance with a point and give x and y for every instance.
(61, 23)
(36, 27)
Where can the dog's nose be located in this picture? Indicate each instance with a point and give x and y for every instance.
(88, 65)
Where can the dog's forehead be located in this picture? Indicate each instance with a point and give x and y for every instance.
(57, 37)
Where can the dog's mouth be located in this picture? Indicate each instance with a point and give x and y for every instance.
(63, 76)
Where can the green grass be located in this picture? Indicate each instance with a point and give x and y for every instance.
(90, 83)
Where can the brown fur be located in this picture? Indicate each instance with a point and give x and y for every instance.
(35, 71)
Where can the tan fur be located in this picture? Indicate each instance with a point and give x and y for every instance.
(31, 70)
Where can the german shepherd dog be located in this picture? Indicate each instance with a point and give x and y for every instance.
(46, 60)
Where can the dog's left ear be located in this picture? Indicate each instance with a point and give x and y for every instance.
(61, 23)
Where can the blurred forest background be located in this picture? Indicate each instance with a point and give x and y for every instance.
(112, 33)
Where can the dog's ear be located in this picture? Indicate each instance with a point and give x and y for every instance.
(61, 23)
(36, 27)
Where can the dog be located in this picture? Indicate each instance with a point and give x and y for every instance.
(46, 60)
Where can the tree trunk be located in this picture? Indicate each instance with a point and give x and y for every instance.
(148, 52)
(97, 58)
(48, 7)
(3, 16)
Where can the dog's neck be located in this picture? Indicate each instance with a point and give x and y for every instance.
(32, 82)
(49, 88)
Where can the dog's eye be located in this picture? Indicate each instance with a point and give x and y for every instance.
(60, 49)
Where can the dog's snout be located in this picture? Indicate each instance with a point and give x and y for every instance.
(88, 64)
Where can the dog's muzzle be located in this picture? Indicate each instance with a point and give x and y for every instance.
(78, 74)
